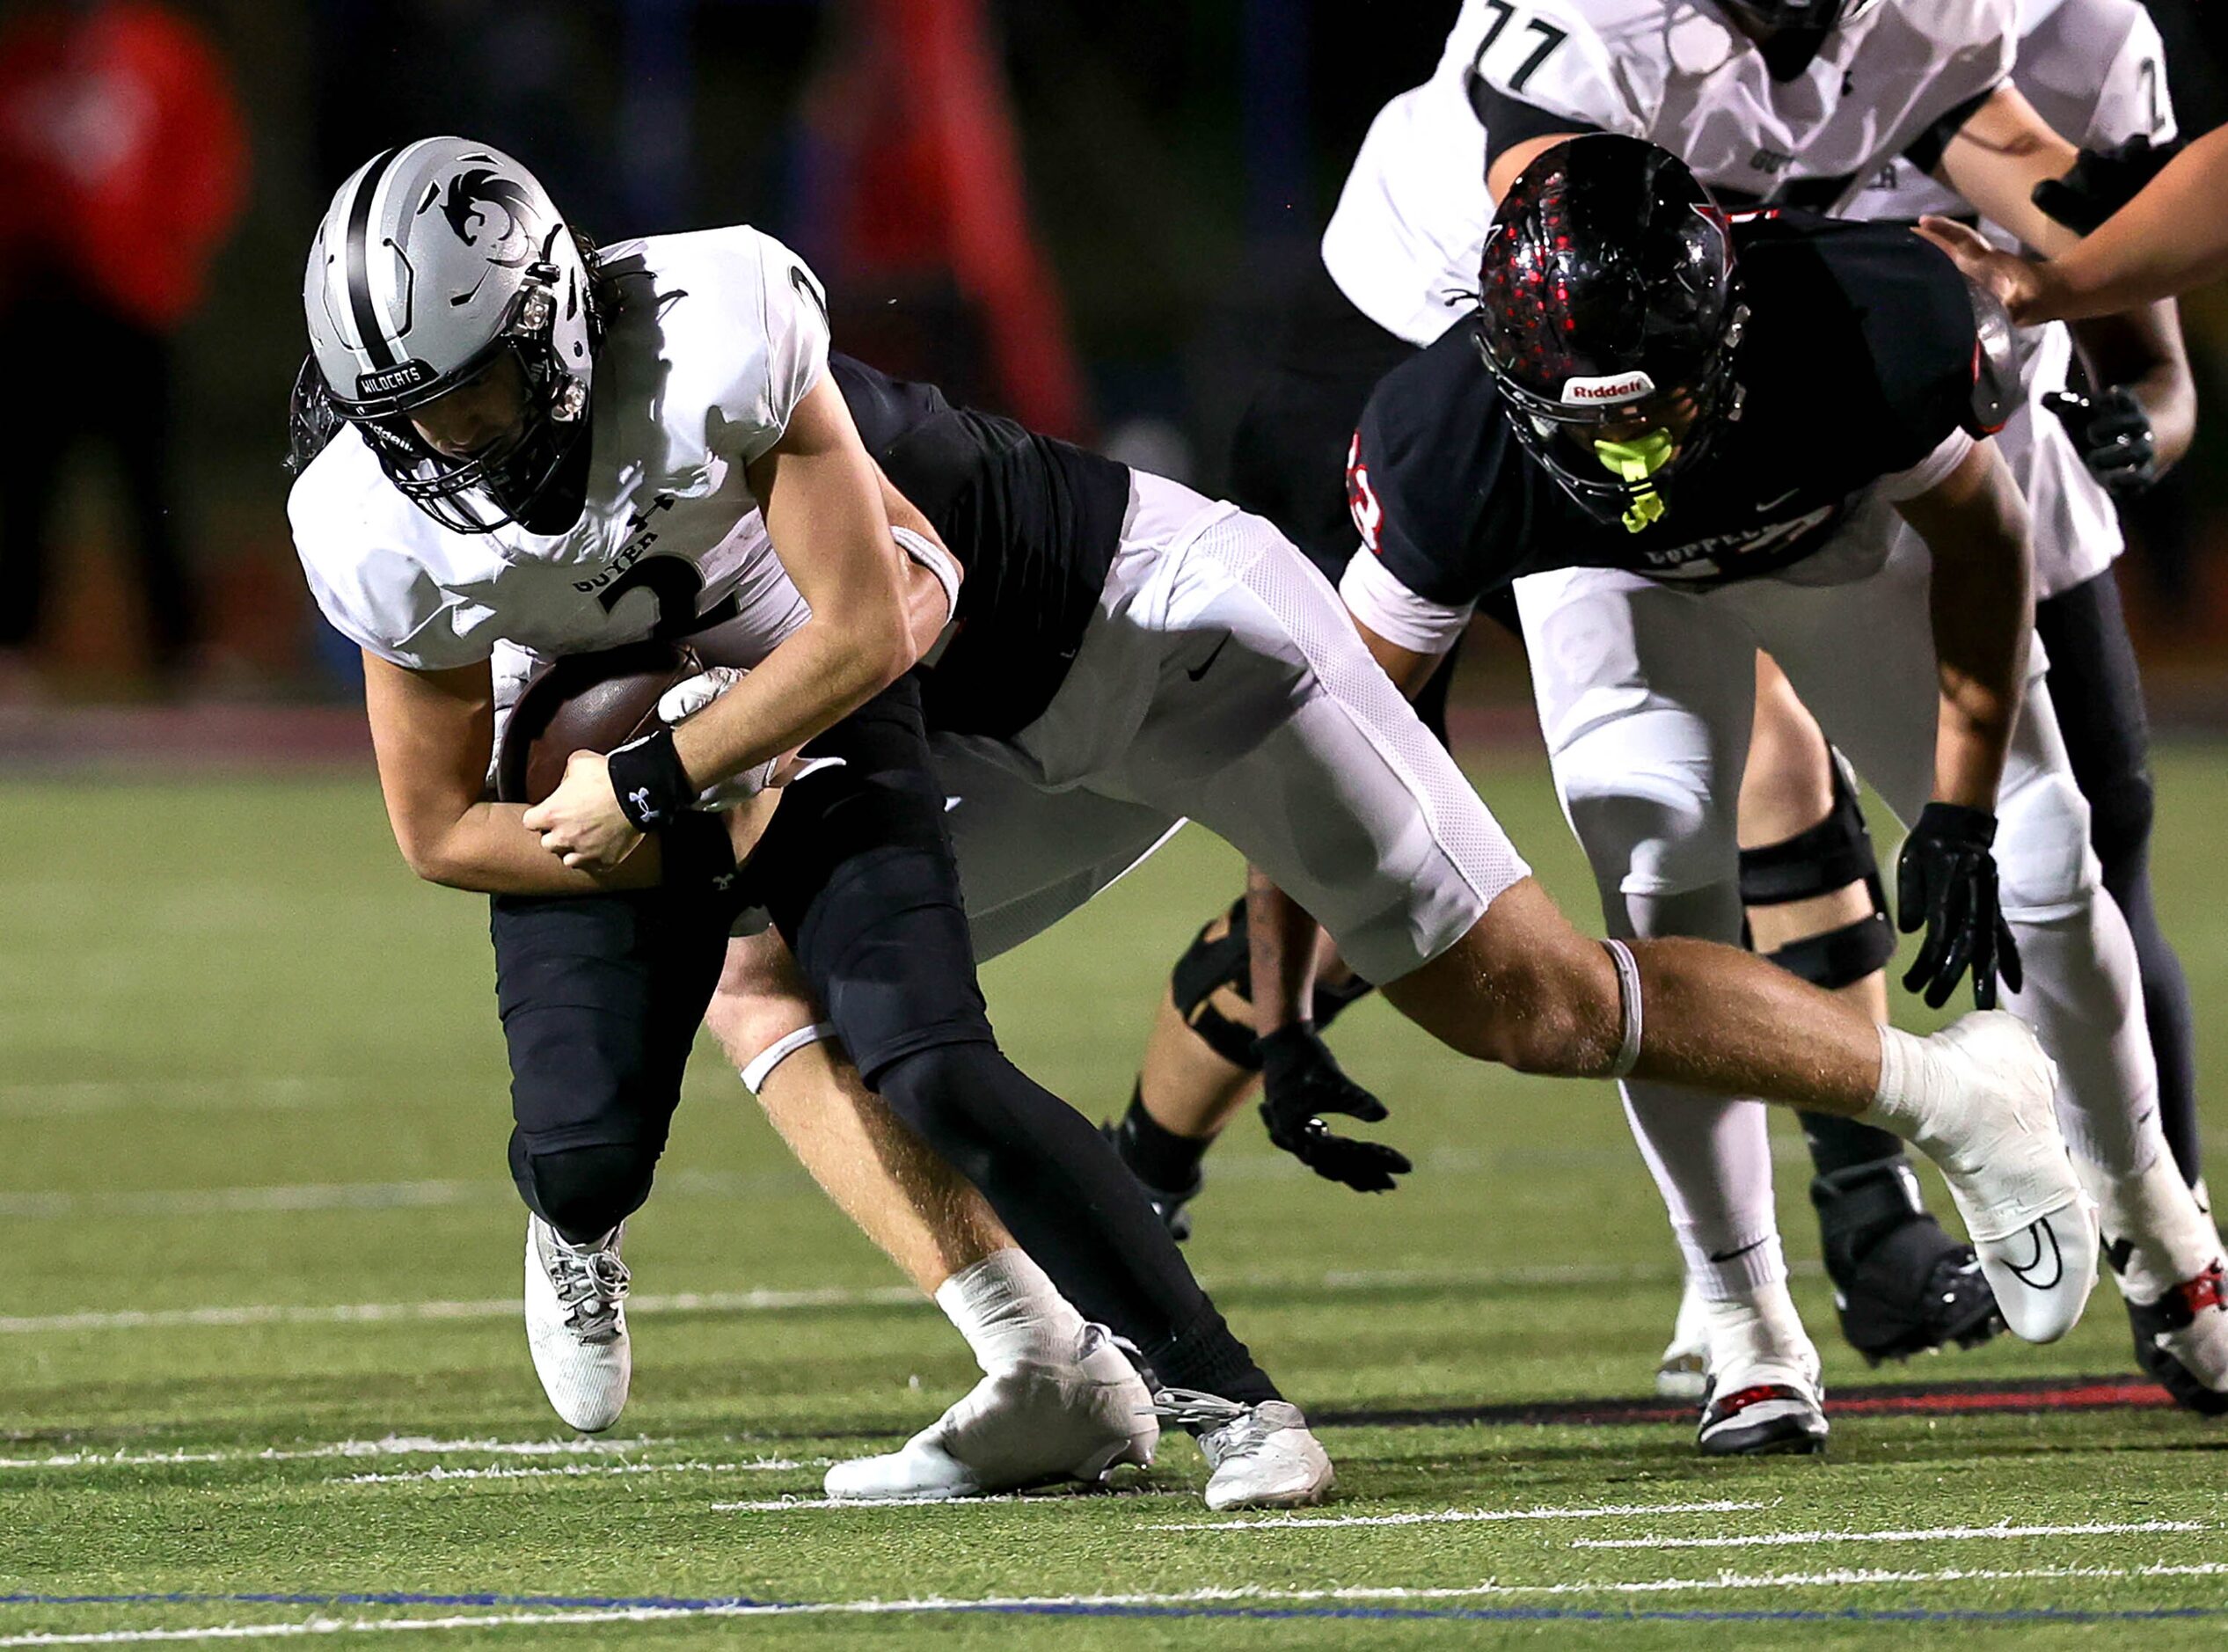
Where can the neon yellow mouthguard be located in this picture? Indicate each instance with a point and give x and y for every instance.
(1635, 461)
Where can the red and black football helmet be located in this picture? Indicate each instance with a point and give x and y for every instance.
(1611, 313)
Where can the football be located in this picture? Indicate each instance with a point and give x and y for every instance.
(586, 701)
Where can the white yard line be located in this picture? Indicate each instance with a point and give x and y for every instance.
(352, 1195)
(386, 1446)
(1237, 1595)
(1929, 1534)
(574, 1471)
(771, 1300)
(65, 1097)
(1459, 1516)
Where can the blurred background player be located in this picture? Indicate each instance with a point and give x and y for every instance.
(123, 167)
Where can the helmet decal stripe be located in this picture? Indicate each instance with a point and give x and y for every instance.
(369, 330)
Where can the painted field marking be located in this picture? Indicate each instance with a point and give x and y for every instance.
(353, 1195)
(440, 1473)
(855, 1505)
(65, 1097)
(386, 1446)
(1460, 1516)
(1248, 1600)
(1931, 1534)
(769, 1300)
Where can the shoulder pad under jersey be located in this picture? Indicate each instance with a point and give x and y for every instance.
(1996, 390)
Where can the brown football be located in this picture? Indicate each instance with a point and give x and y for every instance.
(586, 701)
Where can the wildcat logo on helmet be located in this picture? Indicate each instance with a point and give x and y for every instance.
(1582, 392)
(469, 193)
(388, 380)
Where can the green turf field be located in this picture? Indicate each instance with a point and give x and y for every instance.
(262, 1373)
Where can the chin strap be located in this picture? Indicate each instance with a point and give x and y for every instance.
(1633, 463)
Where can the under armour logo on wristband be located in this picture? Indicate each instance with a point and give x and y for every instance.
(723, 883)
(639, 800)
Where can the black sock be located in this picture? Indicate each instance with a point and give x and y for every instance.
(1838, 1144)
(1071, 1203)
(1160, 1158)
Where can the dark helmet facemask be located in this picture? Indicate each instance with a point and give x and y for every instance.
(1791, 33)
(506, 480)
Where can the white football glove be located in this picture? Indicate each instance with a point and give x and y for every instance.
(683, 700)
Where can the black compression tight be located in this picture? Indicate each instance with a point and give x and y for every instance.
(1058, 1185)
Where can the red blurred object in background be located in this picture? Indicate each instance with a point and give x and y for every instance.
(123, 159)
(927, 178)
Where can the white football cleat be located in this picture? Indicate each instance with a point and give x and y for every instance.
(2165, 1255)
(1764, 1398)
(576, 1324)
(2032, 1225)
(1683, 1372)
(1262, 1456)
(1030, 1425)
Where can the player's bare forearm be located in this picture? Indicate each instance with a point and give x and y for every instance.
(1281, 943)
(432, 733)
(2172, 237)
(823, 504)
(1983, 608)
(1998, 158)
(2141, 350)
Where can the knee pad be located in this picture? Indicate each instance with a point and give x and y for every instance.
(584, 1192)
(1208, 966)
(2045, 867)
(1831, 855)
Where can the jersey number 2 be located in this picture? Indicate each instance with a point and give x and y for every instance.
(676, 584)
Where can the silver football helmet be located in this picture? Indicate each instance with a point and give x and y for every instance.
(433, 260)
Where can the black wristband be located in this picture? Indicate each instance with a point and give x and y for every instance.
(696, 855)
(1955, 823)
(647, 779)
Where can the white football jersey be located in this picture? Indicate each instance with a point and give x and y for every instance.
(718, 336)
(2095, 69)
(1411, 221)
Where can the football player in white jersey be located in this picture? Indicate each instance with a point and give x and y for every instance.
(520, 447)
(2095, 70)
(1927, 84)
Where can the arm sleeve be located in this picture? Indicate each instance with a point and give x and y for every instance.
(1924, 151)
(1373, 595)
(1929, 472)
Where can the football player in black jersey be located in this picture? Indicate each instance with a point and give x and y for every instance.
(1814, 897)
(1698, 437)
(1214, 677)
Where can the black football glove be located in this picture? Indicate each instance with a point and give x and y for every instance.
(2101, 182)
(2113, 434)
(1946, 879)
(1301, 1080)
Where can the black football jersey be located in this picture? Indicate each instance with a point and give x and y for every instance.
(1034, 521)
(1860, 359)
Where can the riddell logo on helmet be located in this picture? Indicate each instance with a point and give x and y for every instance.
(1582, 392)
(409, 376)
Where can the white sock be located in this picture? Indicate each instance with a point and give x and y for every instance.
(1760, 1326)
(1009, 1313)
(2169, 1237)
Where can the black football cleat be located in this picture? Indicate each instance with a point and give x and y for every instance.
(1901, 1284)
